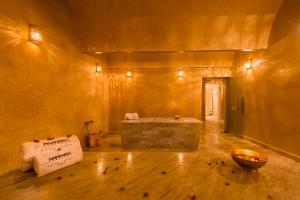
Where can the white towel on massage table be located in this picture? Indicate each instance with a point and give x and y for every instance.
(131, 116)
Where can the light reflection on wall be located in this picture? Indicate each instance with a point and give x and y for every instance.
(12, 31)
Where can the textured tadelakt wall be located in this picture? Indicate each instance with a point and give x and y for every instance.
(271, 88)
(46, 90)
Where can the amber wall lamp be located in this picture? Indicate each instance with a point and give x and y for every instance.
(180, 74)
(98, 68)
(248, 65)
(35, 34)
(129, 74)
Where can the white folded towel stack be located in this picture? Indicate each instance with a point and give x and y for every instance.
(131, 116)
(50, 155)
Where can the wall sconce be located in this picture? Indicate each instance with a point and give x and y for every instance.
(35, 34)
(129, 74)
(98, 68)
(248, 65)
(180, 74)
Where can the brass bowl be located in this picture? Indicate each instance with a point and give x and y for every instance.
(248, 159)
(177, 116)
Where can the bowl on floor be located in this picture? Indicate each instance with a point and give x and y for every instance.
(248, 159)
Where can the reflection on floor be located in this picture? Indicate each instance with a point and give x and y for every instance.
(163, 175)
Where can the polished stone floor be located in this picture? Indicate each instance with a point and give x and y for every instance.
(114, 174)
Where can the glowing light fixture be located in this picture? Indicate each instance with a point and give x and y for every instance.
(247, 50)
(248, 65)
(98, 68)
(35, 34)
(180, 74)
(98, 52)
(129, 74)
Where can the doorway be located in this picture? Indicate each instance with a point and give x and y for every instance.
(215, 100)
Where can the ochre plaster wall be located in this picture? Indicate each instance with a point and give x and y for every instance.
(272, 87)
(47, 90)
(155, 89)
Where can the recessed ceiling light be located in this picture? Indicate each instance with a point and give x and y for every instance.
(98, 52)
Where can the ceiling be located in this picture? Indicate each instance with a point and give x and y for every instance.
(174, 25)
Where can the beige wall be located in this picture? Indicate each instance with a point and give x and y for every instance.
(271, 88)
(155, 89)
(46, 90)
